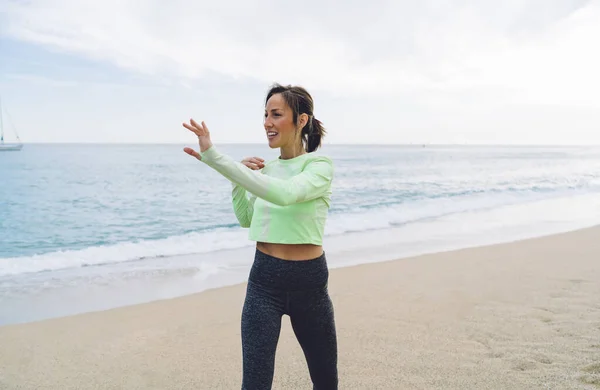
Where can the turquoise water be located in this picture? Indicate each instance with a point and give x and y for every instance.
(73, 210)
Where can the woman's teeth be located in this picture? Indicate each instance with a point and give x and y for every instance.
(271, 134)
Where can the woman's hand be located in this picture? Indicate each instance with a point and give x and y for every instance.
(201, 131)
(254, 163)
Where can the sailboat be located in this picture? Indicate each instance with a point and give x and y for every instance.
(8, 147)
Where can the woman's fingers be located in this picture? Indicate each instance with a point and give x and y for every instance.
(200, 129)
(205, 128)
(254, 163)
(196, 125)
(250, 165)
(192, 153)
(191, 128)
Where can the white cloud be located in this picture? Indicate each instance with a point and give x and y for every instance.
(31, 78)
(440, 71)
(535, 51)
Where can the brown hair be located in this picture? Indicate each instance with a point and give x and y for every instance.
(301, 102)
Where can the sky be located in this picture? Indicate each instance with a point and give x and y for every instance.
(390, 72)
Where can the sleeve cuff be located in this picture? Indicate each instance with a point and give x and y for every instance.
(209, 154)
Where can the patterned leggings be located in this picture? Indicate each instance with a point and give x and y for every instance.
(298, 289)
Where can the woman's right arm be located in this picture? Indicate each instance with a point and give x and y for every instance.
(243, 207)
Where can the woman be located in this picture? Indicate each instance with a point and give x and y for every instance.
(284, 203)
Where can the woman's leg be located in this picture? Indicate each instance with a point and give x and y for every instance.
(261, 325)
(312, 318)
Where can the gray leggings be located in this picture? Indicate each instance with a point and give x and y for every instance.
(298, 289)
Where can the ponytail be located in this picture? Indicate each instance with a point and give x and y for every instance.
(312, 134)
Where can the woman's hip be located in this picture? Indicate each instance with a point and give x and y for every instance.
(288, 275)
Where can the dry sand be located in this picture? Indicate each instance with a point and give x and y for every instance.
(522, 315)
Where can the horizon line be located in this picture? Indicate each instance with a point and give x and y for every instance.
(421, 144)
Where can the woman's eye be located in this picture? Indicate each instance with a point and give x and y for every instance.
(274, 114)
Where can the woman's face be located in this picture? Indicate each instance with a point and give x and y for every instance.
(279, 123)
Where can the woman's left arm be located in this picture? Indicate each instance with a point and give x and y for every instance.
(313, 182)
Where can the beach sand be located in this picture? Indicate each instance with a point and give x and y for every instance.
(522, 315)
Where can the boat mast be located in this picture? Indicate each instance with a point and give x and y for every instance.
(1, 124)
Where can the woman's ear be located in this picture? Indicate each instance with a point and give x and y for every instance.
(303, 120)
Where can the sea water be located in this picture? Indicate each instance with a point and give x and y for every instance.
(91, 227)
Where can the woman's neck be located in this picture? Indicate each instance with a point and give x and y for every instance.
(292, 151)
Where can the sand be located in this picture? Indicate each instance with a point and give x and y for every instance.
(522, 315)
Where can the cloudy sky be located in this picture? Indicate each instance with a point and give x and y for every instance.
(512, 71)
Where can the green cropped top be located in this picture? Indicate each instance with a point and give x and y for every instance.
(285, 202)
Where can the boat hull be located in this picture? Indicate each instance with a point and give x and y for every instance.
(10, 148)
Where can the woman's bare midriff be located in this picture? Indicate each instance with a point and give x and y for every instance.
(295, 252)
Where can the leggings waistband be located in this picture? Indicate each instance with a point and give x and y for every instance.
(288, 275)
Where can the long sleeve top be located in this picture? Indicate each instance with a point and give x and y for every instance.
(285, 202)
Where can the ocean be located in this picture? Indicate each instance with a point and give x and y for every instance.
(92, 227)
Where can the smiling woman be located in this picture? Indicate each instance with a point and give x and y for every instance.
(286, 110)
(286, 213)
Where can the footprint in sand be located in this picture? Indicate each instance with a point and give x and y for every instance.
(524, 365)
(592, 374)
(592, 368)
(542, 359)
(546, 315)
(545, 309)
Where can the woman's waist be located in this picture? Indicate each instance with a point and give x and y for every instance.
(275, 272)
(291, 252)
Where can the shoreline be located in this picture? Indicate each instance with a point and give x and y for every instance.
(80, 290)
(150, 280)
(522, 314)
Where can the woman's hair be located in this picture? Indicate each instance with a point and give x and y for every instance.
(301, 102)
